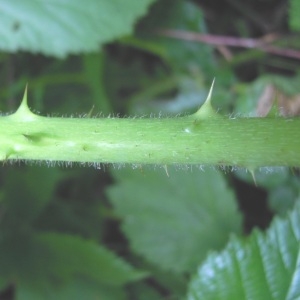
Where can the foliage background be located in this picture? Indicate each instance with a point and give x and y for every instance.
(134, 232)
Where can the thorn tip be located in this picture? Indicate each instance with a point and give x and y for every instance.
(252, 172)
(208, 99)
(23, 112)
(206, 110)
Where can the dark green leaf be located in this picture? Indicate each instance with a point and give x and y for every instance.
(146, 292)
(73, 255)
(76, 289)
(39, 262)
(26, 192)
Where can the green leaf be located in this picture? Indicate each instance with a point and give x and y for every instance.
(143, 291)
(77, 289)
(75, 209)
(41, 261)
(174, 221)
(3, 283)
(73, 255)
(62, 27)
(282, 198)
(294, 21)
(264, 266)
(26, 192)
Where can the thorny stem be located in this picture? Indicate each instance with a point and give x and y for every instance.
(203, 138)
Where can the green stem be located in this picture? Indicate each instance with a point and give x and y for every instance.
(203, 138)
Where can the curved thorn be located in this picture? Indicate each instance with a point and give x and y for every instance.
(23, 112)
(252, 172)
(206, 110)
(208, 99)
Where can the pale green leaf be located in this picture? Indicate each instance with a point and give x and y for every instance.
(61, 27)
(264, 266)
(175, 220)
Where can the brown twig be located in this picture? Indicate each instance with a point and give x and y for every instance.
(263, 44)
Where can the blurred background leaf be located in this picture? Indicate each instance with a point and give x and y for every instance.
(174, 221)
(68, 26)
(39, 262)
